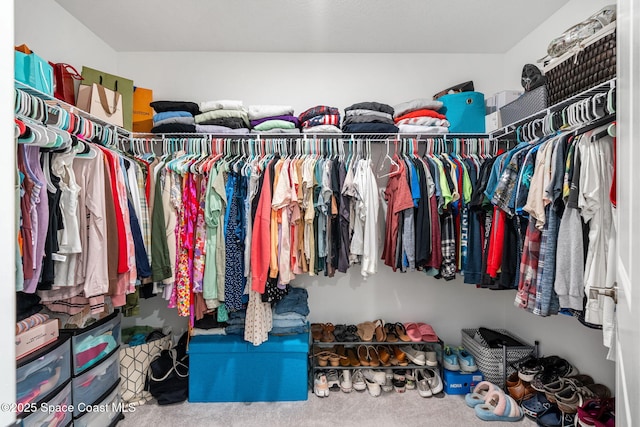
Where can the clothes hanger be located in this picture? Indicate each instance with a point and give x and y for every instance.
(392, 163)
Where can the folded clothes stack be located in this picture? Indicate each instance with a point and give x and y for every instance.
(420, 116)
(369, 117)
(235, 324)
(223, 117)
(174, 116)
(320, 119)
(273, 119)
(290, 313)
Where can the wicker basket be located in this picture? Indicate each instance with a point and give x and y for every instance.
(527, 104)
(579, 70)
(490, 360)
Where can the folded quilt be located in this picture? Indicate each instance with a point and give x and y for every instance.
(420, 113)
(286, 118)
(183, 120)
(325, 119)
(375, 106)
(218, 114)
(261, 111)
(352, 113)
(416, 104)
(174, 128)
(367, 119)
(318, 110)
(369, 128)
(224, 104)
(221, 129)
(274, 124)
(322, 129)
(422, 129)
(424, 121)
(162, 106)
(229, 122)
(170, 114)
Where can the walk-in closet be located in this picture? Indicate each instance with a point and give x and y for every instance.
(300, 213)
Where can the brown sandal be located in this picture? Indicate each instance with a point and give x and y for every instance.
(401, 332)
(327, 333)
(353, 359)
(363, 355)
(374, 358)
(381, 335)
(366, 331)
(390, 331)
(316, 331)
(340, 351)
(385, 355)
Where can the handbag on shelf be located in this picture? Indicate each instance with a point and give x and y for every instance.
(114, 83)
(64, 87)
(33, 71)
(103, 103)
(464, 111)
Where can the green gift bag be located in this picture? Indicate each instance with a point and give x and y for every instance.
(116, 83)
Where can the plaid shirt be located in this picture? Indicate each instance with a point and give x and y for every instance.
(526, 296)
(320, 110)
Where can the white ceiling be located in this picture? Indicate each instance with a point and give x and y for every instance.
(366, 26)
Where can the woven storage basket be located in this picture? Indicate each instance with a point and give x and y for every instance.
(581, 69)
(527, 104)
(489, 360)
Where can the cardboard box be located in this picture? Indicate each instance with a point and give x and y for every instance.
(36, 337)
(456, 382)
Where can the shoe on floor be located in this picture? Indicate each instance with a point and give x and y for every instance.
(388, 384)
(536, 405)
(373, 387)
(411, 379)
(357, 380)
(320, 386)
(434, 380)
(499, 406)
(415, 356)
(466, 361)
(378, 377)
(346, 384)
(332, 380)
(450, 359)
(422, 384)
(399, 381)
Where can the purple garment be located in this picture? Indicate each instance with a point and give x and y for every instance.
(292, 119)
(220, 129)
(32, 157)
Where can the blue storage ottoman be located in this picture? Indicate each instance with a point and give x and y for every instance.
(225, 368)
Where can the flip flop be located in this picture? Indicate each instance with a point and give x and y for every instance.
(401, 332)
(366, 330)
(413, 332)
(427, 332)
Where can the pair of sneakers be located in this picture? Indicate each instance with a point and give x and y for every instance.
(428, 382)
(420, 356)
(332, 381)
(458, 359)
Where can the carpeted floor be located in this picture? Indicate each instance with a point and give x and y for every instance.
(339, 409)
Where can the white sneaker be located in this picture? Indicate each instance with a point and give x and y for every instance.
(345, 381)
(332, 379)
(378, 377)
(388, 384)
(373, 387)
(320, 386)
(358, 381)
(415, 356)
(435, 382)
(422, 384)
(431, 357)
(411, 379)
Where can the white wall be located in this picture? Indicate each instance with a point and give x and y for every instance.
(51, 32)
(534, 46)
(304, 80)
(7, 227)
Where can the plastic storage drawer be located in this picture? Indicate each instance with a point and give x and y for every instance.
(41, 373)
(103, 414)
(93, 344)
(89, 387)
(55, 412)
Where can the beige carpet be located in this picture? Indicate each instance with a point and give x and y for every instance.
(339, 409)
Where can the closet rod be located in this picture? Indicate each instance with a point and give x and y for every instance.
(511, 128)
(374, 137)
